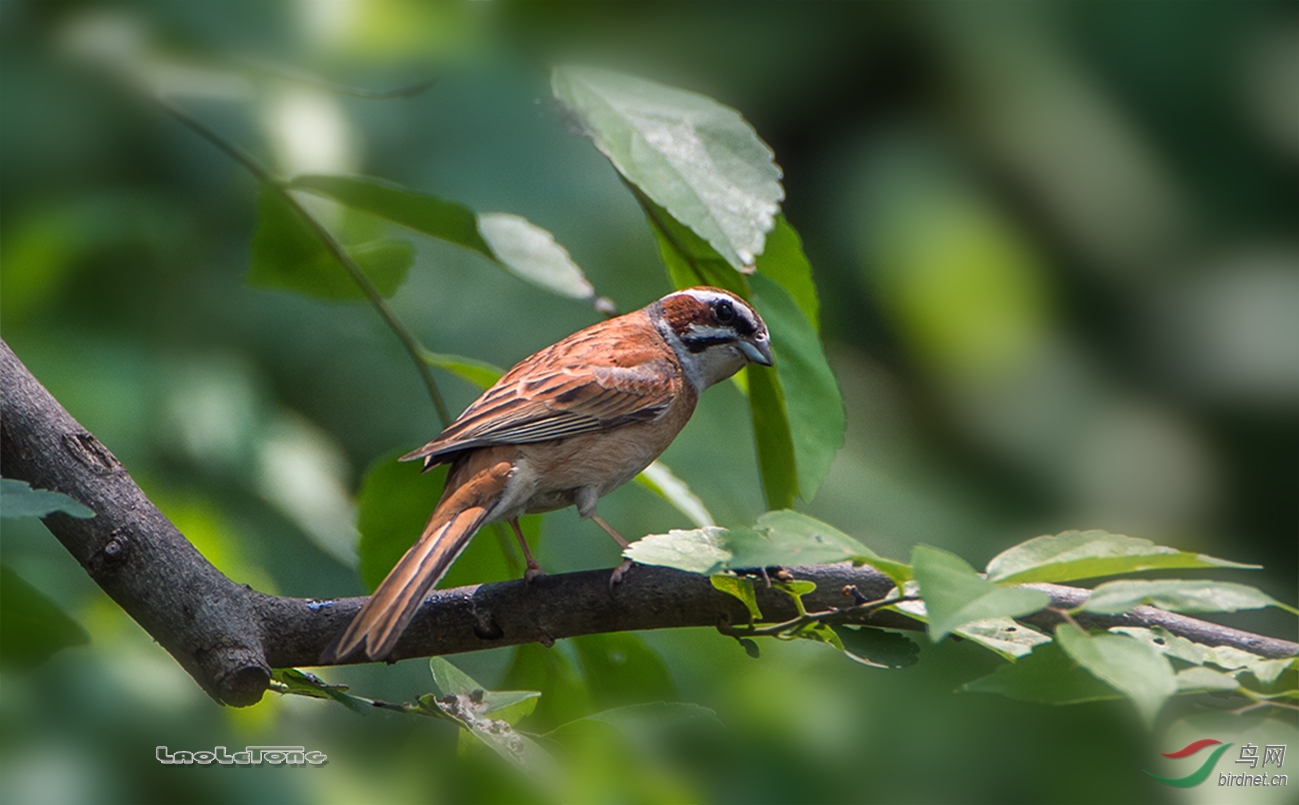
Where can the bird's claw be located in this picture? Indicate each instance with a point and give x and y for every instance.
(615, 578)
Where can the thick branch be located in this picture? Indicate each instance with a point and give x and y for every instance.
(228, 636)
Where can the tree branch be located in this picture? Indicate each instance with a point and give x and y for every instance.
(229, 637)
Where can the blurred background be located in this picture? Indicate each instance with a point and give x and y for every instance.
(1057, 248)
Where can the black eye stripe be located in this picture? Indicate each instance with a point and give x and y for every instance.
(700, 343)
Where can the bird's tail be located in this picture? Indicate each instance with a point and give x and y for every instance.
(456, 519)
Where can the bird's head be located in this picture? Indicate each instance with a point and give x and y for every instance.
(714, 333)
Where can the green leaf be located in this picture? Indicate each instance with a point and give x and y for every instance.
(1006, 636)
(1114, 597)
(444, 220)
(772, 437)
(301, 683)
(504, 705)
(784, 262)
(787, 538)
(531, 253)
(522, 248)
(469, 710)
(693, 156)
(779, 539)
(1046, 676)
(392, 508)
(741, 588)
(813, 403)
(1204, 680)
(1087, 554)
(34, 627)
(18, 499)
(688, 258)
(482, 374)
(658, 478)
(691, 261)
(878, 647)
(1129, 666)
(288, 255)
(796, 589)
(822, 633)
(621, 669)
(955, 595)
(1225, 657)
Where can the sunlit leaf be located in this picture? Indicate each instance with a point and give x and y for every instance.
(521, 247)
(288, 255)
(1087, 554)
(1006, 636)
(33, 626)
(741, 588)
(1046, 676)
(620, 668)
(658, 478)
(693, 156)
(784, 262)
(955, 595)
(813, 403)
(530, 252)
(698, 550)
(480, 373)
(1114, 597)
(778, 539)
(1129, 666)
(1228, 658)
(392, 508)
(18, 499)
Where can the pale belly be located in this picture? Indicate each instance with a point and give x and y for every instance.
(548, 475)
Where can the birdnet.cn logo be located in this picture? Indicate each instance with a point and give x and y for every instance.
(1237, 777)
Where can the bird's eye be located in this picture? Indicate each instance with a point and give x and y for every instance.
(724, 312)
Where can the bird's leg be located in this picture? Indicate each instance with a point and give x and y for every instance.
(622, 569)
(534, 570)
(585, 500)
(618, 538)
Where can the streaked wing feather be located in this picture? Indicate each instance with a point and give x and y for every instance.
(543, 399)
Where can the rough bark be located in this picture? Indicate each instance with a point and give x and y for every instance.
(229, 637)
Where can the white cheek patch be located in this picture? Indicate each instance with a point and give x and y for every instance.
(706, 331)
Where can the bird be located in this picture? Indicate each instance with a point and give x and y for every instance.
(563, 427)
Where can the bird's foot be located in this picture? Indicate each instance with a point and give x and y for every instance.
(615, 578)
(533, 572)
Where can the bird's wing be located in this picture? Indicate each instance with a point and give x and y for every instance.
(591, 381)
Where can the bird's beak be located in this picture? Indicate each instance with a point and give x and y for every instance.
(758, 352)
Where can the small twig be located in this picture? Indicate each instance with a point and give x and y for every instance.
(809, 618)
(280, 73)
(259, 171)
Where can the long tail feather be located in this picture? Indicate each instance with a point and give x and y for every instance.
(457, 518)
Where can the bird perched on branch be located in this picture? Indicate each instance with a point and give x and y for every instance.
(565, 426)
